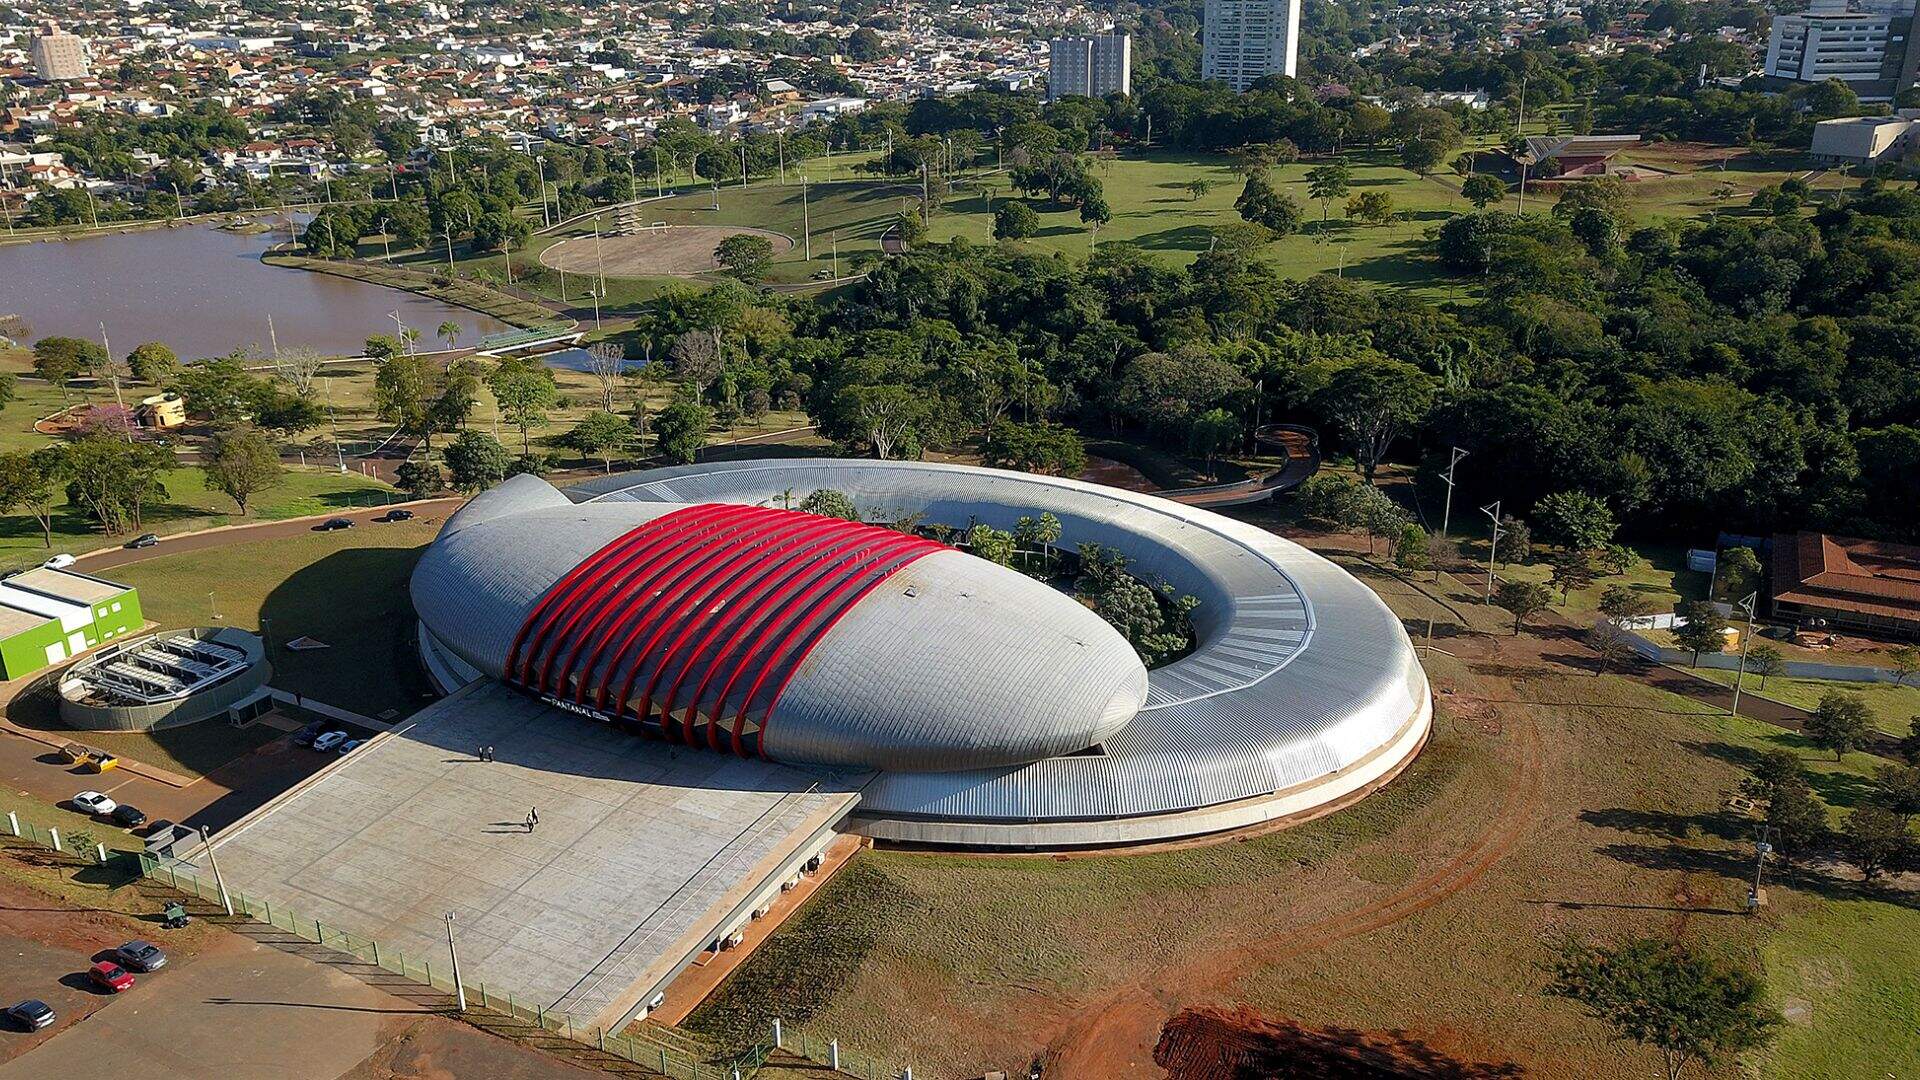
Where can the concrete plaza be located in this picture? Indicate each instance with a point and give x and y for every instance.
(645, 853)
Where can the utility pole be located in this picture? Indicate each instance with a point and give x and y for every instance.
(1446, 515)
(1761, 849)
(339, 458)
(272, 337)
(179, 204)
(113, 374)
(1493, 542)
(806, 219)
(459, 990)
(399, 328)
(1746, 641)
(600, 262)
(225, 900)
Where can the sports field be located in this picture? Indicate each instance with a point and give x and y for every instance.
(673, 250)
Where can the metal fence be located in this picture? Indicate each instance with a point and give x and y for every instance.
(436, 972)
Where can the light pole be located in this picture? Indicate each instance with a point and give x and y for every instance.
(225, 901)
(1761, 849)
(459, 990)
(1446, 515)
(1493, 542)
(806, 219)
(1746, 641)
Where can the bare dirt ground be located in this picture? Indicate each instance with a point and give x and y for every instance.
(1240, 1044)
(676, 250)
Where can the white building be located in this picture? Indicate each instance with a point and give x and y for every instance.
(1247, 40)
(1866, 140)
(1089, 66)
(57, 55)
(1863, 45)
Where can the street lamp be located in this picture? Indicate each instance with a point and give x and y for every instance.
(1751, 602)
(1493, 542)
(1761, 850)
(1446, 514)
(459, 988)
(225, 900)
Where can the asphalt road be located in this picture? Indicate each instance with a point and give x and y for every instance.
(109, 558)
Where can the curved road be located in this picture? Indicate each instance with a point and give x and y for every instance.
(1299, 443)
(108, 558)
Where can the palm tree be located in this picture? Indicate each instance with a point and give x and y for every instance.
(450, 333)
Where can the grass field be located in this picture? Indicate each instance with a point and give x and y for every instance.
(1894, 707)
(960, 964)
(347, 589)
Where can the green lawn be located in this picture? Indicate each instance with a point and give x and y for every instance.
(1659, 574)
(347, 589)
(1894, 707)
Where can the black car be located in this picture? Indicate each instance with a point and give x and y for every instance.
(333, 524)
(141, 956)
(306, 735)
(144, 540)
(396, 515)
(33, 1014)
(128, 817)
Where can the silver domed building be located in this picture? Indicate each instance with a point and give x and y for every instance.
(995, 711)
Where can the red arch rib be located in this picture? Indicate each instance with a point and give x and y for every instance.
(534, 628)
(808, 600)
(670, 553)
(815, 638)
(622, 581)
(714, 583)
(739, 609)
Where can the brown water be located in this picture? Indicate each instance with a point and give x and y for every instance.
(205, 293)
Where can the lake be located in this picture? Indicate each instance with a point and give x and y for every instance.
(204, 292)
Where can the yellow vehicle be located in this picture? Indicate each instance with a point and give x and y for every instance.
(98, 761)
(74, 753)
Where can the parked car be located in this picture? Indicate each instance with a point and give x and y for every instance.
(144, 540)
(334, 525)
(330, 741)
(32, 1014)
(351, 745)
(141, 956)
(306, 735)
(128, 817)
(59, 562)
(110, 976)
(396, 515)
(94, 802)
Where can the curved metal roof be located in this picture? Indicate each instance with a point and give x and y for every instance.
(1301, 674)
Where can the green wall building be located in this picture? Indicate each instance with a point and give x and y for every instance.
(47, 616)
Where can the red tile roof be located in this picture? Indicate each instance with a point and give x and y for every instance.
(1865, 576)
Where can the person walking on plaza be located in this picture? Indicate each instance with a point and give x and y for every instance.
(533, 818)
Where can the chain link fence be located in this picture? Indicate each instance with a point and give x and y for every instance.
(676, 1062)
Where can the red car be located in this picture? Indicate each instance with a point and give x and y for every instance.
(110, 976)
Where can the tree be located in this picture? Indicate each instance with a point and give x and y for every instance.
(1841, 722)
(1327, 183)
(525, 391)
(991, 544)
(1198, 189)
(1738, 571)
(1483, 191)
(1014, 220)
(1040, 533)
(1700, 628)
(827, 502)
(1897, 787)
(1572, 570)
(1610, 643)
(1094, 212)
(1766, 661)
(1795, 818)
(476, 461)
(1663, 994)
(681, 430)
(60, 360)
(28, 481)
(417, 479)
(888, 418)
(450, 332)
(404, 389)
(1623, 604)
(1876, 840)
(1048, 449)
(1413, 550)
(1522, 599)
(745, 256)
(1902, 660)
(1375, 402)
(1423, 155)
(1575, 519)
(113, 481)
(1212, 431)
(1267, 207)
(153, 363)
(239, 462)
(1372, 207)
(602, 435)
(911, 228)
(695, 358)
(606, 362)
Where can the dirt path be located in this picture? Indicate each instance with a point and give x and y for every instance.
(1115, 1037)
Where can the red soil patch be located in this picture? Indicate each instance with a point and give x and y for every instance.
(1240, 1044)
(35, 917)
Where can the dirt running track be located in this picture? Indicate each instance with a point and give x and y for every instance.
(1115, 1037)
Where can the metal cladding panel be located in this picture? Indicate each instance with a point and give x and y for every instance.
(1300, 670)
(957, 663)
